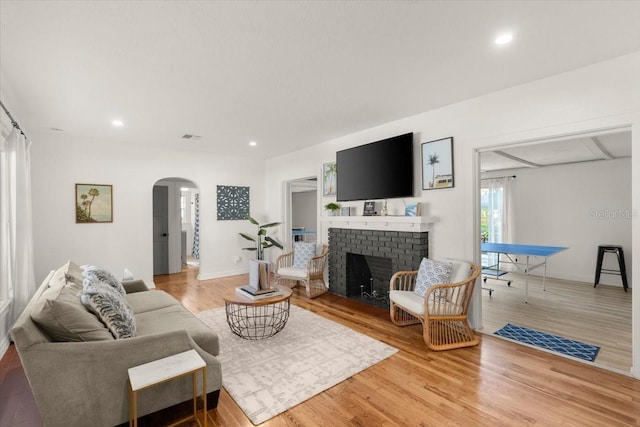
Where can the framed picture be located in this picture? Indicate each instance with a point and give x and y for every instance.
(329, 179)
(94, 203)
(345, 211)
(437, 164)
(369, 208)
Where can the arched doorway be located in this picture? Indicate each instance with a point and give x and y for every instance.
(175, 225)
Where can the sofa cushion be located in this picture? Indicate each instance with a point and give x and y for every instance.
(69, 272)
(141, 302)
(431, 273)
(178, 318)
(461, 271)
(61, 315)
(103, 276)
(110, 307)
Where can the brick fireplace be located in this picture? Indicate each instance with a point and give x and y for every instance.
(363, 260)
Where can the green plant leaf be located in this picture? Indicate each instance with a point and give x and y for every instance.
(252, 221)
(249, 249)
(246, 236)
(273, 242)
(262, 232)
(271, 224)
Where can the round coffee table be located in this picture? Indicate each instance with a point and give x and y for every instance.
(257, 319)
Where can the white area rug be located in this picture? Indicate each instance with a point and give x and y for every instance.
(310, 355)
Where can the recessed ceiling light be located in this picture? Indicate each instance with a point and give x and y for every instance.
(253, 143)
(504, 38)
(117, 123)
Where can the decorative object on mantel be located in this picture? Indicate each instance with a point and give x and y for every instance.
(437, 164)
(369, 209)
(261, 244)
(233, 202)
(384, 211)
(413, 209)
(332, 208)
(94, 203)
(329, 179)
(345, 211)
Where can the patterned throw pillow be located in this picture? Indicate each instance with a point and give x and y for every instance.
(104, 276)
(110, 307)
(431, 273)
(302, 253)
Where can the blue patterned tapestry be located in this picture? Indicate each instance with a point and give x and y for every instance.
(195, 250)
(550, 342)
(233, 202)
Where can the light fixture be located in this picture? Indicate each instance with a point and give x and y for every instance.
(117, 123)
(503, 38)
(253, 143)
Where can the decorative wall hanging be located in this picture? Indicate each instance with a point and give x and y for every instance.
(94, 203)
(233, 203)
(329, 179)
(437, 164)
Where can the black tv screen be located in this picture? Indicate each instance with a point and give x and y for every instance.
(379, 170)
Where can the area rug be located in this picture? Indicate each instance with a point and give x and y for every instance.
(555, 343)
(310, 355)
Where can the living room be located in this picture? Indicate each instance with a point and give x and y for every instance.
(586, 94)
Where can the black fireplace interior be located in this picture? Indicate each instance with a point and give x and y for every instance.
(368, 279)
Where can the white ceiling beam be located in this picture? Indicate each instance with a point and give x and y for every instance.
(598, 145)
(517, 159)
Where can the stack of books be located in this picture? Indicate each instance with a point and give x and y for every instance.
(259, 286)
(253, 294)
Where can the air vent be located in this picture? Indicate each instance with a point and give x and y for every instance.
(190, 136)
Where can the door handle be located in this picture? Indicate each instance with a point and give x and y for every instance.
(164, 234)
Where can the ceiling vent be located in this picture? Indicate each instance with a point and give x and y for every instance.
(192, 137)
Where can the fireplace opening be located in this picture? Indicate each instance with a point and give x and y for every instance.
(368, 279)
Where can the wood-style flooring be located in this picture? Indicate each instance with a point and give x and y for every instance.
(576, 310)
(497, 383)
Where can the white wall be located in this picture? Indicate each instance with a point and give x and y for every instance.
(59, 161)
(600, 96)
(577, 206)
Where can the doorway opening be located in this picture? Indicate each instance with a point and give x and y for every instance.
(176, 226)
(301, 210)
(552, 193)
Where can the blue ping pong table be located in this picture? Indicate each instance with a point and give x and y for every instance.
(535, 256)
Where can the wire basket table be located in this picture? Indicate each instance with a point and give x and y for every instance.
(257, 319)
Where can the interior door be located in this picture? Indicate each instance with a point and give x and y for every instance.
(160, 230)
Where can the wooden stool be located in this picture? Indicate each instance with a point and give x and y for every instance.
(622, 270)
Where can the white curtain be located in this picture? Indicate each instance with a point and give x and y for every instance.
(496, 204)
(17, 279)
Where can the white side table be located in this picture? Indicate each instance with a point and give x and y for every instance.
(162, 370)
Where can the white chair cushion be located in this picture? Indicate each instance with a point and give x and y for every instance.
(461, 270)
(431, 273)
(302, 253)
(408, 299)
(300, 273)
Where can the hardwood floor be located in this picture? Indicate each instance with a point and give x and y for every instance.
(576, 310)
(498, 383)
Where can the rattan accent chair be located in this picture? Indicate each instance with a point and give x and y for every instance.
(443, 310)
(312, 277)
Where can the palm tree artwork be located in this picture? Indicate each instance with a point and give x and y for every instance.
(93, 203)
(432, 160)
(329, 177)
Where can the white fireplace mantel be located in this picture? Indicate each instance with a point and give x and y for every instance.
(416, 224)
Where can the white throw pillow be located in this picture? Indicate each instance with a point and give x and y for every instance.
(302, 253)
(431, 273)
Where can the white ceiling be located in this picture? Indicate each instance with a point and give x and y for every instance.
(285, 74)
(584, 148)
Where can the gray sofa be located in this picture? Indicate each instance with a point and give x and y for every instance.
(78, 370)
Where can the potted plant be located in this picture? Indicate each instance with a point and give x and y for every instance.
(332, 208)
(262, 241)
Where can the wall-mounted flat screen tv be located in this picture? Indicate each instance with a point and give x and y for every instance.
(379, 170)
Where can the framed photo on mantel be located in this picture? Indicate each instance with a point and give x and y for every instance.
(369, 209)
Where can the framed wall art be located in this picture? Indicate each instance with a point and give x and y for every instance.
(94, 203)
(233, 202)
(329, 177)
(437, 164)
